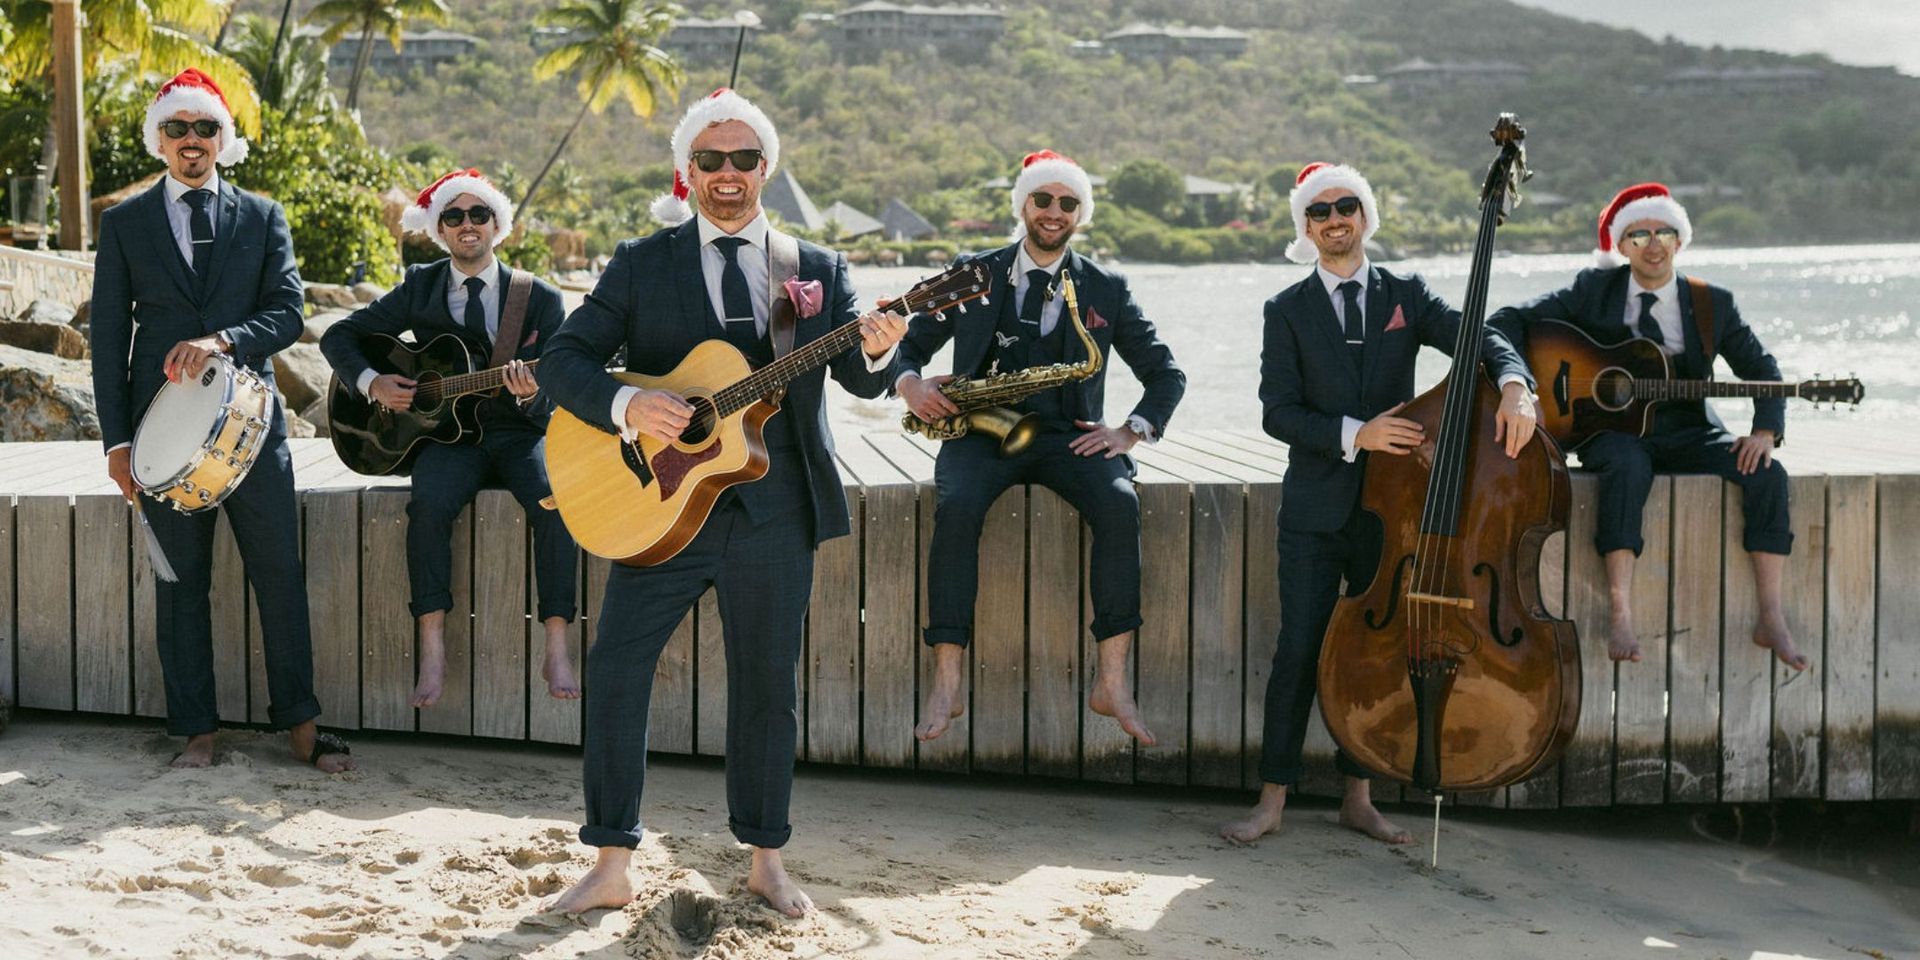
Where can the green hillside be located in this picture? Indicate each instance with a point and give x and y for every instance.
(1827, 165)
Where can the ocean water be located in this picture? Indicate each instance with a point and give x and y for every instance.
(1832, 311)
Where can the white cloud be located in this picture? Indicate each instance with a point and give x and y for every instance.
(1858, 32)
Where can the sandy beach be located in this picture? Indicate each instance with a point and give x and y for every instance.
(444, 849)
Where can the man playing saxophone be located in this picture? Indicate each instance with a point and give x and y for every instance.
(1051, 318)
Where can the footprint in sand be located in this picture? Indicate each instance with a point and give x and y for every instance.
(379, 868)
(273, 875)
(546, 886)
(335, 940)
(693, 916)
(407, 857)
(527, 857)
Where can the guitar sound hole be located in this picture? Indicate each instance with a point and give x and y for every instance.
(426, 403)
(705, 417)
(1613, 389)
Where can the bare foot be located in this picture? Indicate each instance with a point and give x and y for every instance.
(1622, 645)
(1772, 634)
(943, 704)
(1367, 819)
(1111, 698)
(300, 741)
(199, 753)
(1263, 819)
(769, 879)
(557, 671)
(604, 887)
(433, 670)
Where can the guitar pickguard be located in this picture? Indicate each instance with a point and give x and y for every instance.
(672, 464)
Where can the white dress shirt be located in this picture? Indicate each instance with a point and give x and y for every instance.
(1666, 311)
(457, 306)
(1349, 427)
(180, 213)
(754, 263)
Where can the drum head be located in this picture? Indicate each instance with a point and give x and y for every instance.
(179, 423)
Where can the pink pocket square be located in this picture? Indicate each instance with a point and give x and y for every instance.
(1398, 322)
(532, 338)
(806, 296)
(1094, 320)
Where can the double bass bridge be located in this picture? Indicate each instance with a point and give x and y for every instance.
(1463, 603)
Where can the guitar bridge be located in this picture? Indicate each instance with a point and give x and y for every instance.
(636, 462)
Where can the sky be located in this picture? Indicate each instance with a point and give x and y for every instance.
(1867, 33)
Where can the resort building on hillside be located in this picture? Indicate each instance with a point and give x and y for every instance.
(784, 196)
(697, 41)
(1418, 75)
(424, 48)
(1166, 43)
(848, 222)
(867, 30)
(1750, 81)
(899, 222)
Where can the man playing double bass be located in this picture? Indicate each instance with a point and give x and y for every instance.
(1336, 367)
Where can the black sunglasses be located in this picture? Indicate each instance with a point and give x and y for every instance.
(1043, 200)
(451, 216)
(745, 161)
(1345, 206)
(1635, 239)
(175, 129)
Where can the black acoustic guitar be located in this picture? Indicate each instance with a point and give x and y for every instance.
(1586, 387)
(377, 441)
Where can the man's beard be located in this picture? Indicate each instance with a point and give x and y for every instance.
(1050, 246)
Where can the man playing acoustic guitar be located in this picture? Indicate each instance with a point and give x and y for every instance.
(466, 295)
(712, 277)
(1638, 293)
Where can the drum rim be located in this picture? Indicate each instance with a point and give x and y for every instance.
(158, 490)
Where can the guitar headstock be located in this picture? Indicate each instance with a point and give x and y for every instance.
(1849, 391)
(955, 286)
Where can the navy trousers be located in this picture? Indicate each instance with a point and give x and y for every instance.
(265, 523)
(1626, 465)
(446, 477)
(762, 574)
(1311, 568)
(970, 475)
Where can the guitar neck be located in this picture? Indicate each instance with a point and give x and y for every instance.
(750, 389)
(1702, 389)
(479, 381)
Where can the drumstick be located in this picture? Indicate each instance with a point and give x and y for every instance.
(161, 568)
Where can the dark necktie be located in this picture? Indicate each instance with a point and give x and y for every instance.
(734, 295)
(476, 312)
(200, 228)
(1649, 327)
(1038, 287)
(1354, 321)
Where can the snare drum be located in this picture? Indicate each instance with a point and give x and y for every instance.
(199, 437)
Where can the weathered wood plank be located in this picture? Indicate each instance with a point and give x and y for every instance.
(1586, 768)
(832, 717)
(386, 623)
(1542, 790)
(890, 644)
(9, 583)
(1640, 722)
(710, 678)
(549, 718)
(333, 593)
(1219, 550)
(1000, 638)
(1849, 661)
(1261, 614)
(45, 570)
(499, 616)
(1798, 700)
(102, 659)
(1053, 632)
(1746, 697)
(1693, 656)
(453, 714)
(1896, 714)
(1164, 681)
(952, 752)
(149, 687)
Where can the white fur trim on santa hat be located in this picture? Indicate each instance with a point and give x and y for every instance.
(1329, 177)
(1663, 209)
(427, 219)
(724, 105)
(1052, 170)
(233, 147)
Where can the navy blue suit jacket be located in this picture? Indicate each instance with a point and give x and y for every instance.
(1106, 307)
(1308, 384)
(419, 304)
(1597, 304)
(144, 299)
(653, 301)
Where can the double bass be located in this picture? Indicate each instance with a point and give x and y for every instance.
(1446, 672)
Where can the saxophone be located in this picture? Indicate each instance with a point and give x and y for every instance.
(983, 401)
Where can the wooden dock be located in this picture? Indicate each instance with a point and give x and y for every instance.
(1707, 717)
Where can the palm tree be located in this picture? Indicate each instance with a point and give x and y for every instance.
(300, 90)
(387, 17)
(156, 36)
(611, 50)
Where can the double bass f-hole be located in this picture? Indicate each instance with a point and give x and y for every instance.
(1493, 608)
(1393, 595)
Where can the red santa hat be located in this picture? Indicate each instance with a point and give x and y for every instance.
(191, 91)
(1642, 201)
(423, 214)
(1314, 180)
(1042, 167)
(722, 106)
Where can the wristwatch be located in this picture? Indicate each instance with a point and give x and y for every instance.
(1136, 427)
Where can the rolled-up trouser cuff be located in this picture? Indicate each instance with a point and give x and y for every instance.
(934, 636)
(1107, 630)
(191, 726)
(596, 836)
(432, 603)
(770, 839)
(1606, 545)
(299, 713)
(1768, 543)
(566, 613)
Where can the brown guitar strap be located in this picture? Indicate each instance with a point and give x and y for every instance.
(1703, 319)
(513, 317)
(783, 264)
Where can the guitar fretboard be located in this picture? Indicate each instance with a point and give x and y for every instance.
(751, 388)
(462, 384)
(1702, 389)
